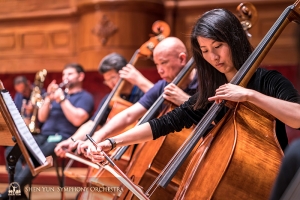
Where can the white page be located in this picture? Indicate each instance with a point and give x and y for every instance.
(23, 129)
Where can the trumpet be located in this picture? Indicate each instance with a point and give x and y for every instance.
(61, 86)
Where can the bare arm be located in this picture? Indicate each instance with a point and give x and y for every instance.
(84, 129)
(175, 95)
(74, 115)
(44, 110)
(285, 111)
(68, 144)
(132, 75)
(114, 126)
(138, 134)
(120, 121)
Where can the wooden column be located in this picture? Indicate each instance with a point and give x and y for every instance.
(114, 26)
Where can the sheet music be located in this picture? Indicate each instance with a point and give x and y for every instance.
(23, 129)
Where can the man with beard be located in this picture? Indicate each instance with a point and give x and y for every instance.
(62, 113)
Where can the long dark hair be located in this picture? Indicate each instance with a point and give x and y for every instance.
(222, 26)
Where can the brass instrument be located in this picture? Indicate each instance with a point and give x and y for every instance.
(61, 86)
(36, 100)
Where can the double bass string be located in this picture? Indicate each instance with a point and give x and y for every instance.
(150, 114)
(152, 111)
(105, 105)
(262, 48)
(167, 174)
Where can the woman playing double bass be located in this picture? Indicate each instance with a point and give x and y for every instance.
(220, 47)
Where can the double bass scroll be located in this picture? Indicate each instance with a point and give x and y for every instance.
(247, 15)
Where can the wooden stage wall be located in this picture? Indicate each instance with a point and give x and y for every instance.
(48, 34)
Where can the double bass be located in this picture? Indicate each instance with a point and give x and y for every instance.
(150, 157)
(100, 177)
(239, 158)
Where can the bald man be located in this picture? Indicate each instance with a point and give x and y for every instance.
(170, 56)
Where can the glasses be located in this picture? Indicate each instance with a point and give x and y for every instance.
(110, 80)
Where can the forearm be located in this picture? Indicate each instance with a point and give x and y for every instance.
(43, 112)
(120, 121)
(138, 134)
(182, 99)
(74, 115)
(287, 112)
(84, 129)
(181, 117)
(114, 126)
(143, 83)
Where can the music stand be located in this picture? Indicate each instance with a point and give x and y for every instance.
(14, 132)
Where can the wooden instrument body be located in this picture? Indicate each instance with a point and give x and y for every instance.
(151, 157)
(149, 160)
(242, 160)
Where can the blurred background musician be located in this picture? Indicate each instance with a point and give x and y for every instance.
(113, 67)
(23, 90)
(28, 99)
(62, 113)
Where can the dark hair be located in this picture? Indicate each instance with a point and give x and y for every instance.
(76, 66)
(222, 26)
(20, 79)
(112, 61)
